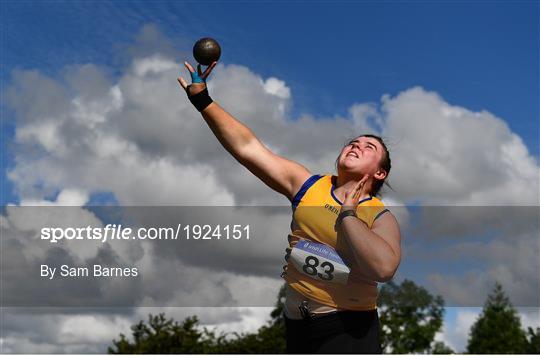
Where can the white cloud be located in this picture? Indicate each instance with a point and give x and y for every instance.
(44, 133)
(90, 329)
(144, 123)
(512, 262)
(530, 317)
(449, 155)
(458, 333)
(251, 320)
(153, 65)
(277, 87)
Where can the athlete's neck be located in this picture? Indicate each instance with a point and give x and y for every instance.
(345, 183)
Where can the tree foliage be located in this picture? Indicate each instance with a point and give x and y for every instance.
(533, 344)
(165, 336)
(498, 328)
(440, 348)
(410, 317)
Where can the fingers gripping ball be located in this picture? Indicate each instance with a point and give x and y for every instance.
(206, 51)
(196, 77)
(196, 91)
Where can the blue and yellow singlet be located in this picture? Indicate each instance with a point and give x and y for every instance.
(318, 264)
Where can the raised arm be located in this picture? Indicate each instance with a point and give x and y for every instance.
(280, 174)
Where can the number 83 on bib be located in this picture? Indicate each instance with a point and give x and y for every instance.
(319, 261)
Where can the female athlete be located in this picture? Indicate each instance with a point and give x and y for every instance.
(342, 241)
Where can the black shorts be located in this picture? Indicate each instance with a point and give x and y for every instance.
(355, 332)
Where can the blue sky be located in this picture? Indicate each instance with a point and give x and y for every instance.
(482, 55)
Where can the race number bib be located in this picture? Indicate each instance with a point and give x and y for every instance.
(319, 261)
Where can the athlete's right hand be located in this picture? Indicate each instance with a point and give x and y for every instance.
(196, 91)
(356, 194)
(198, 78)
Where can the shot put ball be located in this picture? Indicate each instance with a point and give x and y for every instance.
(206, 51)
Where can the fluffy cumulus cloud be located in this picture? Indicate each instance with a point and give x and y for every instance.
(512, 262)
(137, 137)
(446, 154)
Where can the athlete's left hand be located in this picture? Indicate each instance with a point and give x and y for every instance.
(355, 195)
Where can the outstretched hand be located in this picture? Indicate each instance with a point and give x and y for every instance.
(198, 78)
(359, 192)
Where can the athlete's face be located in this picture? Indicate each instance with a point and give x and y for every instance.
(362, 156)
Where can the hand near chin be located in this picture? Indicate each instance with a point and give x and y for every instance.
(359, 192)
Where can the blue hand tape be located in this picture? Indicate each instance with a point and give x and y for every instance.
(196, 79)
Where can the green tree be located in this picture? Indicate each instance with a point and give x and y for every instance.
(410, 317)
(163, 336)
(409, 314)
(533, 346)
(269, 339)
(498, 328)
(440, 348)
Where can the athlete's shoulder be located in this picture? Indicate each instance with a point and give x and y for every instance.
(372, 202)
(314, 180)
(325, 179)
